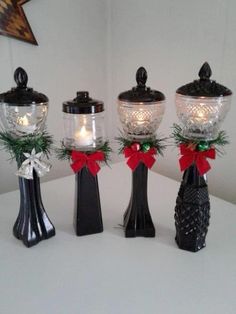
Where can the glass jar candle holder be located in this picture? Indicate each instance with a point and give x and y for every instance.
(140, 110)
(23, 113)
(139, 120)
(201, 107)
(84, 132)
(25, 119)
(83, 123)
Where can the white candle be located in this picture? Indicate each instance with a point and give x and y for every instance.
(23, 125)
(83, 137)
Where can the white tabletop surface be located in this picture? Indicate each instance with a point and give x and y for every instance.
(109, 274)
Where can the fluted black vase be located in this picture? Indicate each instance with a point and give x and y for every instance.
(192, 211)
(137, 217)
(87, 214)
(32, 224)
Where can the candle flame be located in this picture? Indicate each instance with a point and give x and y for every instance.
(82, 132)
(23, 121)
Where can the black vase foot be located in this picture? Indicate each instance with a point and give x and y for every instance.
(146, 233)
(32, 224)
(192, 212)
(137, 217)
(87, 214)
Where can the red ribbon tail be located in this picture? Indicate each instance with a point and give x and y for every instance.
(185, 162)
(133, 162)
(93, 167)
(148, 160)
(203, 165)
(77, 165)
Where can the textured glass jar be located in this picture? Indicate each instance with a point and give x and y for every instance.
(202, 106)
(140, 120)
(141, 109)
(202, 116)
(84, 131)
(23, 111)
(23, 120)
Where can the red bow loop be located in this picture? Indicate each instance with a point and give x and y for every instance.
(81, 159)
(135, 157)
(190, 156)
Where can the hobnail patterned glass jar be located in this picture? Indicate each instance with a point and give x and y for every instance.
(83, 123)
(202, 117)
(140, 120)
(141, 109)
(202, 106)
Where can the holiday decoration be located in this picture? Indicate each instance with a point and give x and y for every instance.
(13, 21)
(144, 152)
(201, 106)
(33, 163)
(23, 113)
(84, 146)
(140, 110)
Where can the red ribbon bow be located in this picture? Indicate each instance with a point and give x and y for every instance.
(135, 157)
(199, 157)
(90, 161)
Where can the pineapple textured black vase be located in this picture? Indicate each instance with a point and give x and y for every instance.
(201, 107)
(192, 211)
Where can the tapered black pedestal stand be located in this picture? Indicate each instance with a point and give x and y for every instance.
(32, 224)
(87, 215)
(192, 211)
(137, 218)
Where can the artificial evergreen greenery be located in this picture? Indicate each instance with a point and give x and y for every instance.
(64, 153)
(18, 146)
(155, 142)
(221, 140)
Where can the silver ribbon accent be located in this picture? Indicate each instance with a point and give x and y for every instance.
(33, 162)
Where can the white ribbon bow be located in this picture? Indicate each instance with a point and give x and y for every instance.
(33, 162)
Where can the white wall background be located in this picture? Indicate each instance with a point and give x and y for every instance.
(99, 44)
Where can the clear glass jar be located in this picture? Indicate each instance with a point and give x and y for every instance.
(140, 120)
(24, 119)
(84, 132)
(201, 116)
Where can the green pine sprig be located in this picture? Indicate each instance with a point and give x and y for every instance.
(64, 153)
(16, 147)
(158, 143)
(221, 140)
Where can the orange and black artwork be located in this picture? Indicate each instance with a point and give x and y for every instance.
(13, 21)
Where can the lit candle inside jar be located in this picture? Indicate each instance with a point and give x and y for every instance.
(140, 117)
(23, 125)
(83, 137)
(201, 115)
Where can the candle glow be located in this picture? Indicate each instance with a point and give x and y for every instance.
(83, 137)
(23, 125)
(23, 121)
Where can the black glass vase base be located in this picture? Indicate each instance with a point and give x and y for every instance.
(87, 214)
(32, 224)
(192, 211)
(137, 217)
